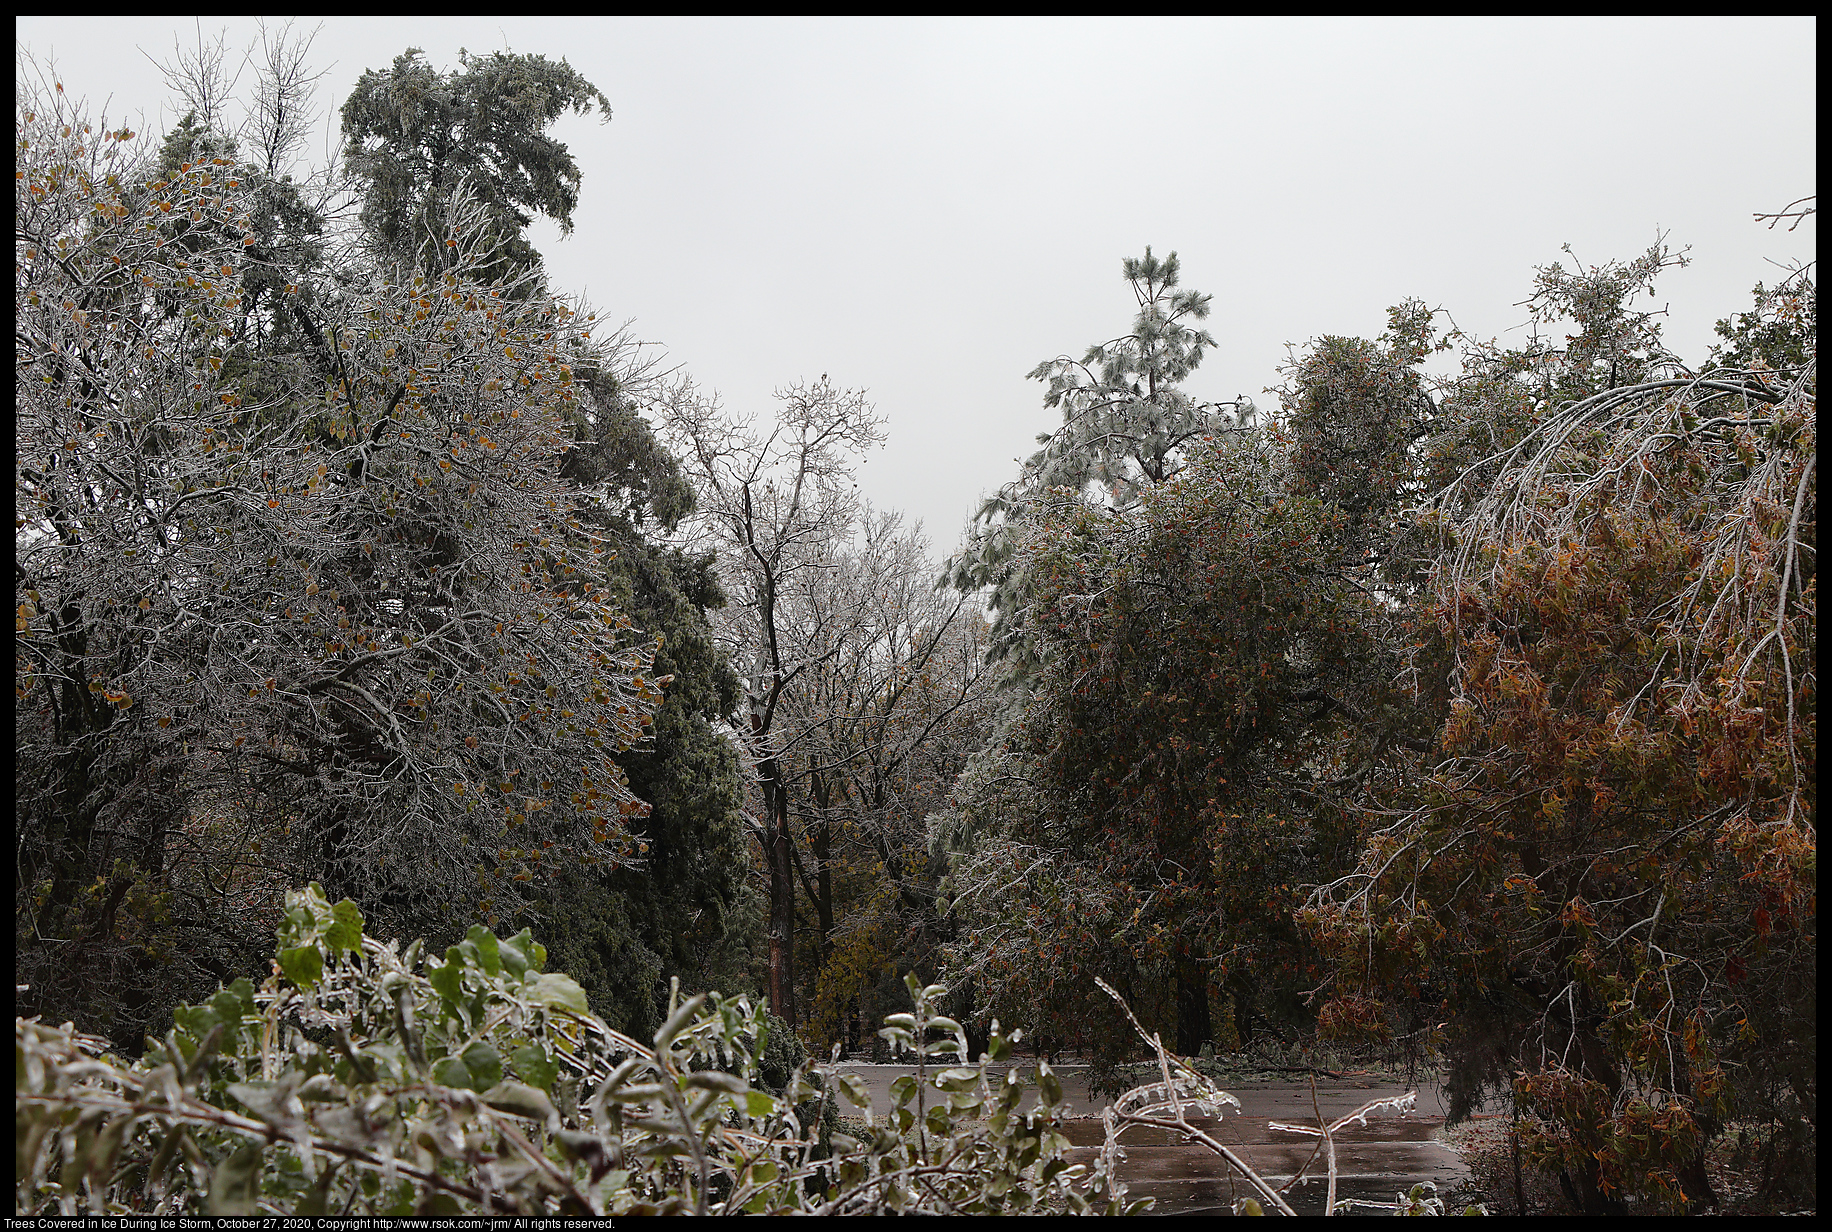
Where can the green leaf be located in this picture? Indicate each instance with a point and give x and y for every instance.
(452, 1072)
(346, 931)
(583, 1147)
(485, 1064)
(302, 964)
(306, 917)
(235, 1184)
(195, 1021)
(1048, 1084)
(447, 980)
(240, 1003)
(855, 1089)
(105, 1150)
(760, 1103)
(155, 1171)
(265, 1099)
(520, 1099)
(81, 1139)
(903, 1089)
(225, 1008)
(482, 942)
(514, 953)
(322, 1088)
(557, 990)
(957, 1079)
(534, 1066)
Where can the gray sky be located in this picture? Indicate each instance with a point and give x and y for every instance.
(928, 208)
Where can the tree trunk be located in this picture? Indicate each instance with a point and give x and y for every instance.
(1585, 1192)
(820, 842)
(780, 859)
(1193, 1028)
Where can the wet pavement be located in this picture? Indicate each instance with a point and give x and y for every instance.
(1374, 1164)
(1377, 1162)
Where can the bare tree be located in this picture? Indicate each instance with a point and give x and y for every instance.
(276, 117)
(1798, 210)
(854, 668)
(875, 731)
(775, 501)
(280, 115)
(201, 76)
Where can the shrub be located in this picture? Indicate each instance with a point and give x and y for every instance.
(367, 1079)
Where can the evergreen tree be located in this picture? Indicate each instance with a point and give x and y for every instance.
(686, 906)
(1207, 672)
(1125, 427)
(418, 137)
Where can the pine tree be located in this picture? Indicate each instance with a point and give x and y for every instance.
(1126, 424)
(418, 137)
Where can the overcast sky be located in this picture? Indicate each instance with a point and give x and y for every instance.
(928, 208)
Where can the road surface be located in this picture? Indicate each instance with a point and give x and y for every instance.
(1391, 1154)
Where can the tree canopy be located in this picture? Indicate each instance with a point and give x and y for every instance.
(1601, 883)
(329, 611)
(419, 137)
(1125, 424)
(1468, 717)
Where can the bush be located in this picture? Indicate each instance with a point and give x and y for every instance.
(370, 1080)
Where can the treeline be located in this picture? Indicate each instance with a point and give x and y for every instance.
(1469, 716)
(1472, 714)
